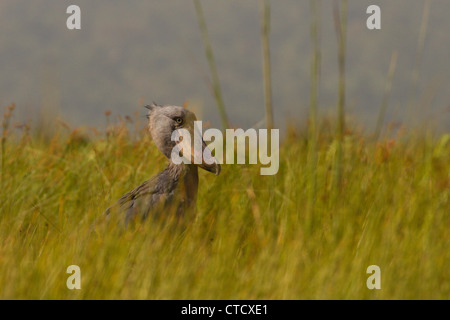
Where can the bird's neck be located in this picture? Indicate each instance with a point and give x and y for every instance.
(191, 183)
(187, 177)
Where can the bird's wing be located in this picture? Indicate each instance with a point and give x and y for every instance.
(149, 187)
(138, 201)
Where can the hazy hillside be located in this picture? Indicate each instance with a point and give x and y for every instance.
(132, 52)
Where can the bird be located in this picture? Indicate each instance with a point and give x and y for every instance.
(174, 190)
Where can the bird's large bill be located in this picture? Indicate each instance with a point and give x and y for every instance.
(192, 149)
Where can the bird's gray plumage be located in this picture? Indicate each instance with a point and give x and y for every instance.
(174, 190)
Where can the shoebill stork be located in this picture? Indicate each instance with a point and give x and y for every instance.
(174, 190)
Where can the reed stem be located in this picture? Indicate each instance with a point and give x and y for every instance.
(341, 30)
(315, 8)
(212, 65)
(387, 92)
(265, 30)
(418, 58)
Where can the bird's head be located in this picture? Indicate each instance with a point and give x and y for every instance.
(164, 120)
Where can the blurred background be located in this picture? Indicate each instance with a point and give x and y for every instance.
(375, 191)
(130, 53)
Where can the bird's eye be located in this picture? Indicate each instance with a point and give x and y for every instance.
(179, 120)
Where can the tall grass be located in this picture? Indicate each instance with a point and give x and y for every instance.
(246, 241)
